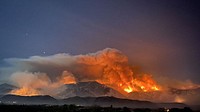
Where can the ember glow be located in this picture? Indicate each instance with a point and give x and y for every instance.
(138, 49)
(67, 78)
(25, 91)
(116, 72)
(179, 99)
(144, 84)
(128, 89)
(109, 67)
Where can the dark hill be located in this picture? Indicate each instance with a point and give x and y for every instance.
(118, 102)
(14, 99)
(6, 88)
(86, 101)
(88, 89)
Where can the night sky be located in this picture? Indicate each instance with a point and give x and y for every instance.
(160, 36)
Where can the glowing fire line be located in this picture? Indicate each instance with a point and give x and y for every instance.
(25, 91)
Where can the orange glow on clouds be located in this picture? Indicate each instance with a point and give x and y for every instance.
(109, 67)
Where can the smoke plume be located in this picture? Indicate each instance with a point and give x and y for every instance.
(44, 74)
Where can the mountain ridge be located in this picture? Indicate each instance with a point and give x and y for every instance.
(105, 101)
(6, 88)
(85, 89)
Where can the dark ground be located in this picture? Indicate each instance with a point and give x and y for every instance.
(73, 108)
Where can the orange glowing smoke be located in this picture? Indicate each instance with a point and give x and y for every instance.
(24, 91)
(179, 99)
(109, 67)
(31, 84)
(67, 78)
(143, 84)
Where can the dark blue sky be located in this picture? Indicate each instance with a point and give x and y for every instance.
(161, 36)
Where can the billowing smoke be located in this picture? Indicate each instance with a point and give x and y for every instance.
(109, 67)
(34, 84)
(81, 67)
(44, 74)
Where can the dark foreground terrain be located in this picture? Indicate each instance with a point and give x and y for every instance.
(73, 108)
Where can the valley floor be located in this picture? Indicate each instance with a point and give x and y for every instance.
(73, 108)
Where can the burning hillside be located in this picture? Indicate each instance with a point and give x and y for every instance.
(46, 75)
(109, 67)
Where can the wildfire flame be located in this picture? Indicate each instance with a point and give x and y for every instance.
(109, 67)
(146, 84)
(142, 84)
(122, 78)
(128, 89)
(25, 91)
(67, 78)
